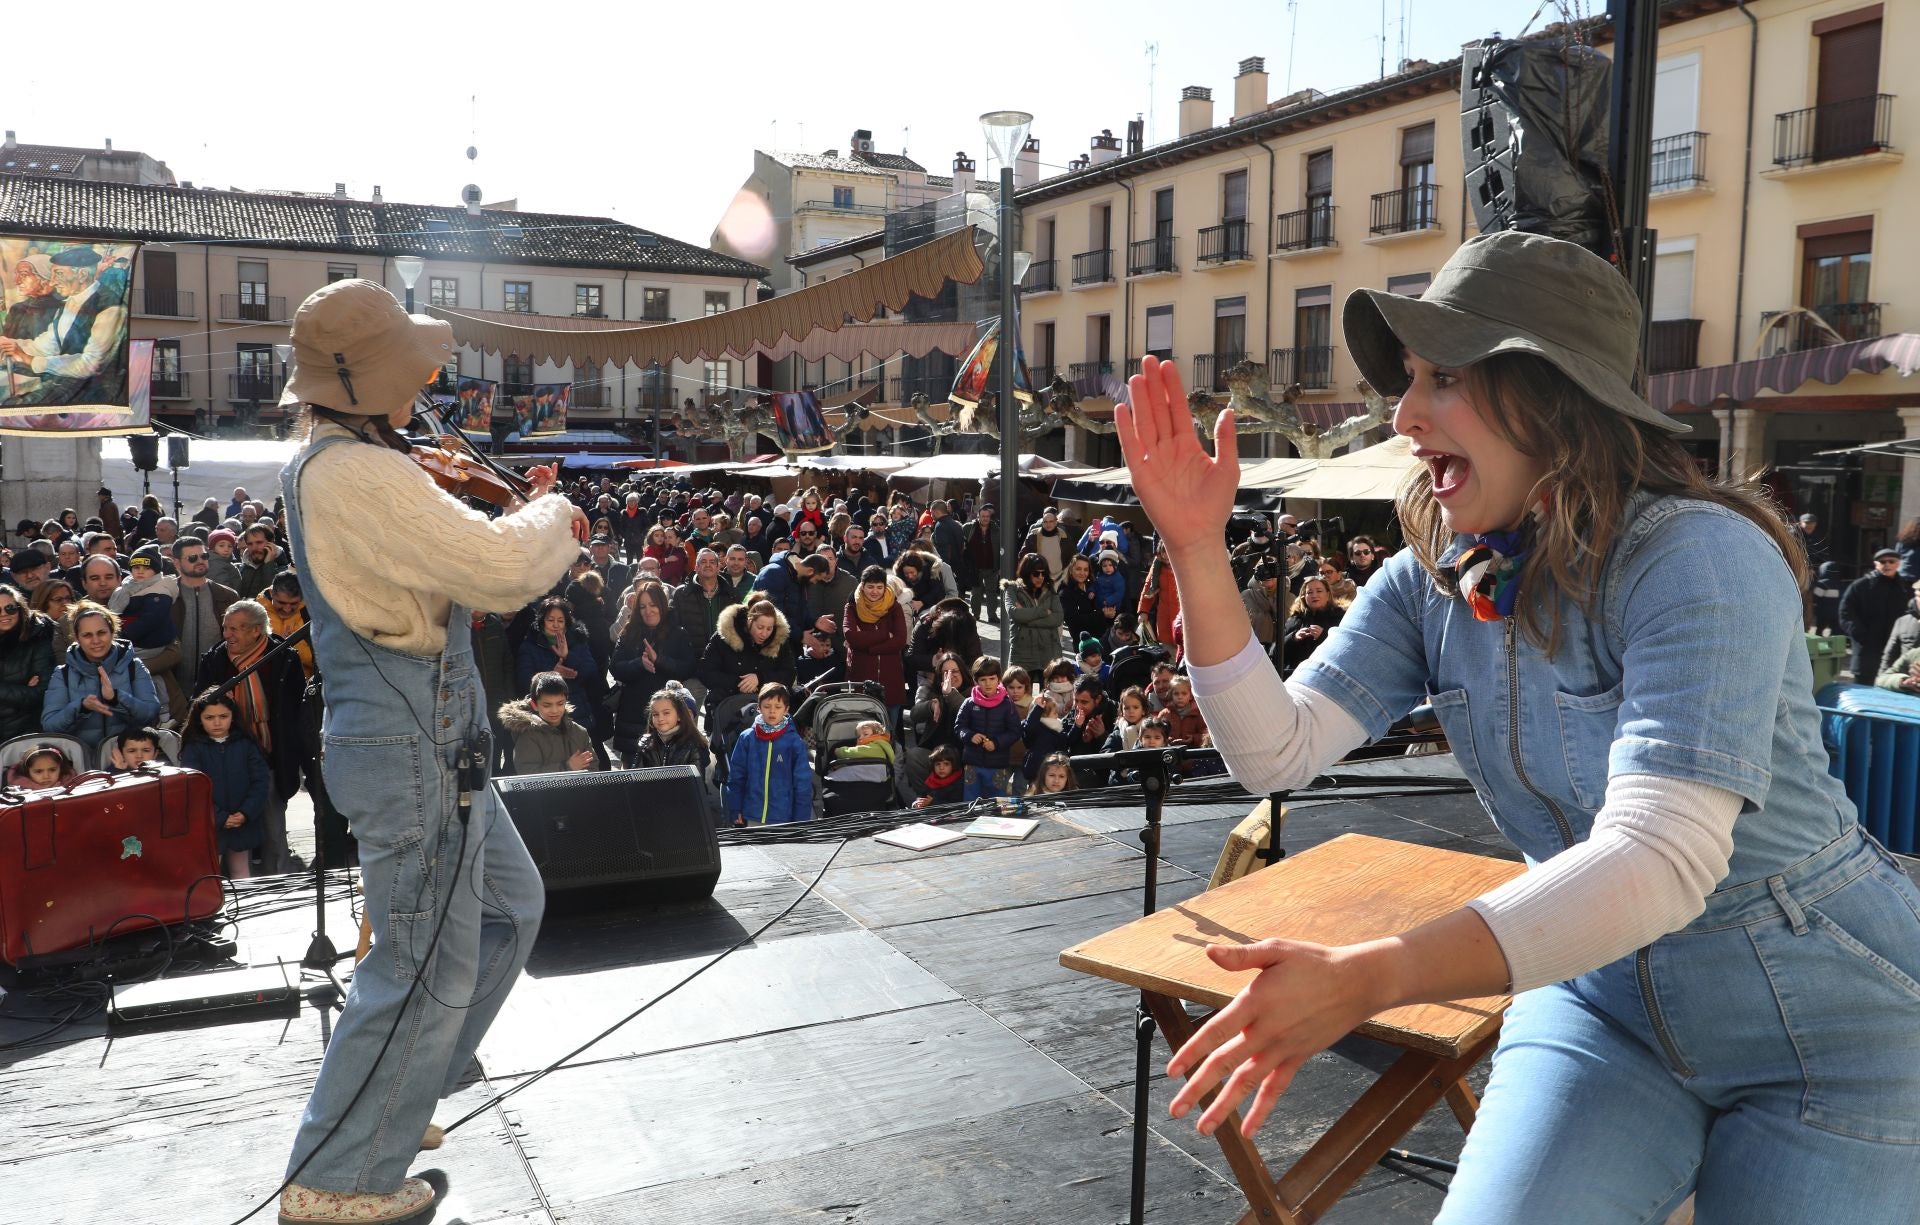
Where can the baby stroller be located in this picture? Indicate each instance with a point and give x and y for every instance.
(828, 720)
(728, 715)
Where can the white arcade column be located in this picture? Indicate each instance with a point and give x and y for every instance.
(41, 476)
(1909, 468)
(1743, 436)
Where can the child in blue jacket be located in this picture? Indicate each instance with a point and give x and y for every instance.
(1109, 586)
(769, 775)
(989, 726)
(216, 744)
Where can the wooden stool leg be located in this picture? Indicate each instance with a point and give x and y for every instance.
(1265, 1207)
(1466, 1107)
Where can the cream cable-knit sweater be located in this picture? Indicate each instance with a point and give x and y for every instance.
(392, 553)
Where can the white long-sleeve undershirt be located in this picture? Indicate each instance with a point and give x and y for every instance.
(1657, 848)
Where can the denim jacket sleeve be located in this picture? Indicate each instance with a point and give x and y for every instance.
(1705, 614)
(1374, 663)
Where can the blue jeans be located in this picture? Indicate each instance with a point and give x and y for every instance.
(983, 781)
(1771, 1071)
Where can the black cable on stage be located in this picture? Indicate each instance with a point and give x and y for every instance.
(713, 961)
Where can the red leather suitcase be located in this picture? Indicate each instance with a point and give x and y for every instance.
(105, 855)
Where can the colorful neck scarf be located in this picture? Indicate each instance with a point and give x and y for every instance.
(1487, 572)
(981, 699)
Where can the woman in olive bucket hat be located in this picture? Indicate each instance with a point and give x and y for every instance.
(1716, 971)
(391, 566)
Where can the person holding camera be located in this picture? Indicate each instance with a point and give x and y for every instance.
(1712, 964)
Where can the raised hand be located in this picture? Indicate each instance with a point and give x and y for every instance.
(106, 686)
(1186, 492)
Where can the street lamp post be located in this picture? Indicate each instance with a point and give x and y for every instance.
(409, 268)
(1006, 133)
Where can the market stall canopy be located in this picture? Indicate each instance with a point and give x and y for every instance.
(829, 306)
(1370, 475)
(881, 340)
(1784, 372)
(851, 463)
(1263, 484)
(978, 468)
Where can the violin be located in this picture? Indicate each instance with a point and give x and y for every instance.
(464, 475)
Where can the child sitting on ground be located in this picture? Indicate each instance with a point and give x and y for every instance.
(1056, 775)
(545, 740)
(46, 766)
(137, 748)
(944, 784)
(769, 778)
(217, 744)
(1093, 659)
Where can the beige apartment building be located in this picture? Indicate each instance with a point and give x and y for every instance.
(1241, 238)
(220, 274)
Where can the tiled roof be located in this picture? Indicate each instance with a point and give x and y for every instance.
(61, 207)
(822, 161)
(890, 161)
(43, 159)
(859, 242)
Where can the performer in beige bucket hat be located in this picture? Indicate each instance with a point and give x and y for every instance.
(391, 567)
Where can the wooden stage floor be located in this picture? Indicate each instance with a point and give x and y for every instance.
(904, 1047)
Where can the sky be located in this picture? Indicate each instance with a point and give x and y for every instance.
(650, 112)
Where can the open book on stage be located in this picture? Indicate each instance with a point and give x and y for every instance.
(1012, 829)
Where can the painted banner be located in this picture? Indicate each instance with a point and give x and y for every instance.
(470, 409)
(798, 421)
(101, 422)
(63, 341)
(542, 411)
(973, 377)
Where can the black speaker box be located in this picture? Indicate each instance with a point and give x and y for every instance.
(144, 450)
(177, 451)
(647, 831)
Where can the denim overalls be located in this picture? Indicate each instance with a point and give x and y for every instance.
(1766, 1055)
(394, 724)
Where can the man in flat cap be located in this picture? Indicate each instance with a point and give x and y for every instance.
(80, 357)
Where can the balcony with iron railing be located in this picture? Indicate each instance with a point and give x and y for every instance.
(247, 387)
(1093, 267)
(1307, 229)
(872, 376)
(1041, 376)
(164, 303)
(1854, 127)
(1672, 344)
(653, 399)
(175, 386)
(1678, 163)
(1151, 257)
(1222, 244)
(904, 387)
(1210, 369)
(1310, 366)
(1134, 363)
(1089, 378)
(1409, 210)
(1040, 277)
(1845, 322)
(589, 395)
(252, 308)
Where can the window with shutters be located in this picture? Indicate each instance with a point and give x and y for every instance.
(342, 272)
(443, 291)
(655, 306)
(1160, 332)
(586, 302)
(1320, 197)
(1847, 104)
(1410, 284)
(517, 296)
(1233, 196)
(1416, 175)
(718, 302)
(517, 373)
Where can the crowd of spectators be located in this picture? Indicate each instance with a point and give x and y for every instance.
(691, 630)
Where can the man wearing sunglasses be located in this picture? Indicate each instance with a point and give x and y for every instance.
(198, 608)
(1872, 603)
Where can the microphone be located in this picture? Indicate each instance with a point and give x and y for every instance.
(1134, 759)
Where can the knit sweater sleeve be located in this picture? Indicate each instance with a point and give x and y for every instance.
(388, 548)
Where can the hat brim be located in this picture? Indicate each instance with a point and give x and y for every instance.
(392, 381)
(1378, 325)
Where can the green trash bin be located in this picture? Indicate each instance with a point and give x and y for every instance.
(1829, 653)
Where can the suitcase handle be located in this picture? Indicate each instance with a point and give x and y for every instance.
(87, 776)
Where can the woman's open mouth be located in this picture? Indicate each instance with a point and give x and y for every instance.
(1449, 472)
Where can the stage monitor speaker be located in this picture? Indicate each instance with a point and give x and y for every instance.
(649, 829)
(177, 450)
(144, 450)
(1534, 138)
